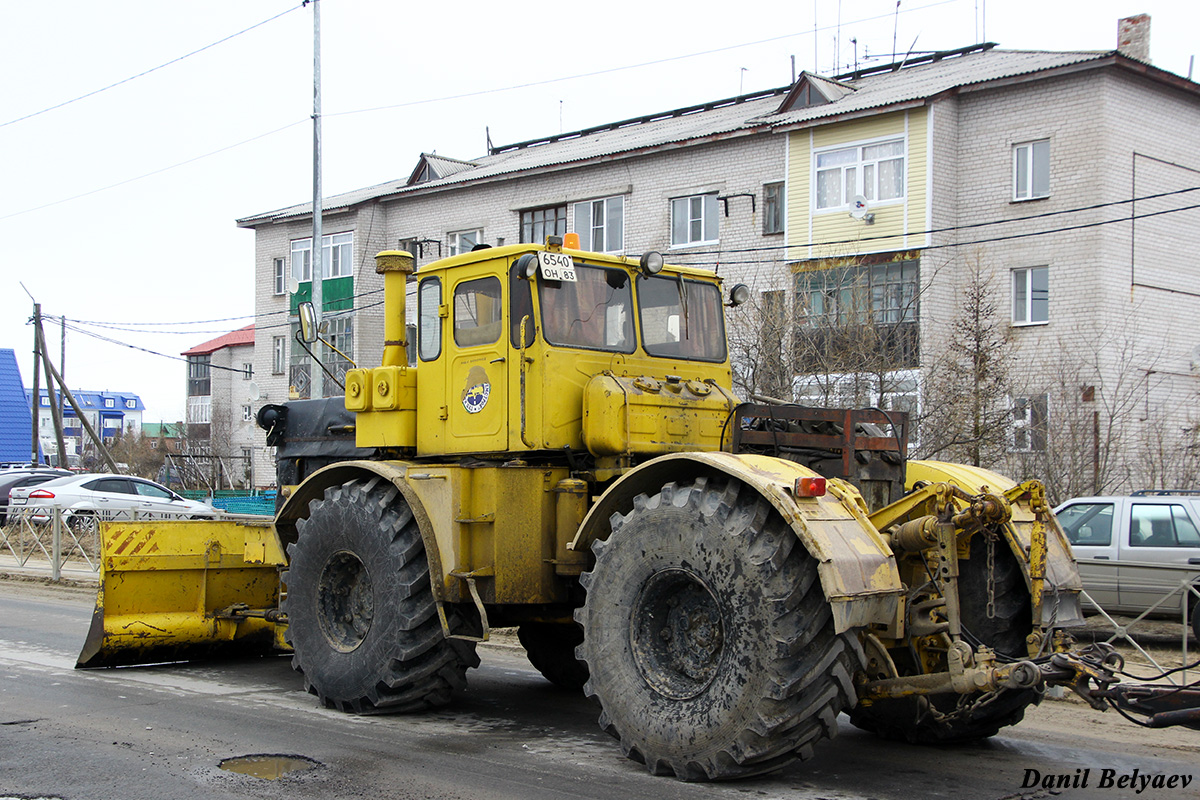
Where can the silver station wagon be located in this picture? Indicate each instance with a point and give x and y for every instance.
(1138, 552)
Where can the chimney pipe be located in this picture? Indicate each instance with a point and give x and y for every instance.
(1133, 37)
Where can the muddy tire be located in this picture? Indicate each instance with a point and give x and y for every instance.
(361, 614)
(551, 650)
(920, 720)
(709, 642)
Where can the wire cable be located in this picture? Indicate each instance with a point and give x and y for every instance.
(95, 92)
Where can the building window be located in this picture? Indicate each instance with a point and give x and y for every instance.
(773, 207)
(131, 403)
(337, 257)
(247, 370)
(1029, 424)
(858, 309)
(539, 223)
(601, 225)
(280, 276)
(876, 171)
(109, 402)
(1031, 295)
(198, 376)
(464, 241)
(1031, 170)
(694, 220)
(247, 414)
(46, 402)
(340, 335)
(278, 355)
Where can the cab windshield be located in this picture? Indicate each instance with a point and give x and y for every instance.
(594, 312)
(681, 318)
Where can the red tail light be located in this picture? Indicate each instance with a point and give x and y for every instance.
(41, 494)
(810, 487)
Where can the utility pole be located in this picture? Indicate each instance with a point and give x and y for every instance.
(87, 426)
(318, 269)
(36, 402)
(55, 407)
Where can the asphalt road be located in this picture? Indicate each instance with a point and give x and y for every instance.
(162, 732)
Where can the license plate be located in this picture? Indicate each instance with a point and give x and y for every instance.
(556, 266)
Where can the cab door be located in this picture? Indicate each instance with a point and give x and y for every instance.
(477, 396)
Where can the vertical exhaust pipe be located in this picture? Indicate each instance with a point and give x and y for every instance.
(395, 266)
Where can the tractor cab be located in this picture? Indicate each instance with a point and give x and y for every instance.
(540, 348)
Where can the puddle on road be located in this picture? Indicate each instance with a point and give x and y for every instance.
(267, 767)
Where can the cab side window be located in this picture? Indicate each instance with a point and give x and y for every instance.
(520, 298)
(429, 321)
(1087, 524)
(478, 315)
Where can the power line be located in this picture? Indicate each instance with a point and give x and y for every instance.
(154, 172)
(408, 104)
(611, 70)
(147, 72)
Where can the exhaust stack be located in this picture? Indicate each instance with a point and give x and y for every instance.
(395, 266)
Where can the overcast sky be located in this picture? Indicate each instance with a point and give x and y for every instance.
(119, 208)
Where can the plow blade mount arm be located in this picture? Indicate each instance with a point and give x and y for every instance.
(183, 590)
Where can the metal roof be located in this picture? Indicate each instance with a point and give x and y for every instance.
(894, 85)
(16, 422)
(232, 339)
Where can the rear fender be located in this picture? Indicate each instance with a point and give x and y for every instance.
(858, 574)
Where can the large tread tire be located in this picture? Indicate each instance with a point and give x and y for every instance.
(551, 650)
(913, 719)
(710, 644)
(361, 614)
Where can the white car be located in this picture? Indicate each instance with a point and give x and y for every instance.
(87, 498)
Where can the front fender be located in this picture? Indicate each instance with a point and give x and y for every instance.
(857, 570)
(314, 486)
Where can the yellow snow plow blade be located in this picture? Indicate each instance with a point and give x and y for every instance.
(180, 590)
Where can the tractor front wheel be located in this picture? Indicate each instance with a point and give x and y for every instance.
(710, 644)
(361, 613)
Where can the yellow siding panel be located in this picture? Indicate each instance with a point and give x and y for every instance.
(836, 233)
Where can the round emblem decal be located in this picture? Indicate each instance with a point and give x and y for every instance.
(475, 396)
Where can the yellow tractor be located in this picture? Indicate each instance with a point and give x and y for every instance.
(565, 455)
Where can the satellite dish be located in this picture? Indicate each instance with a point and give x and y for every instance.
(293, 284)
(253, 391)
(858, 207)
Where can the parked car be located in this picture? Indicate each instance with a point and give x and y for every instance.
(100, 496)
(23, 476)
(1134, 550)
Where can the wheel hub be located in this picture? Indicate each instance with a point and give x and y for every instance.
(677, 633)
(345, 605)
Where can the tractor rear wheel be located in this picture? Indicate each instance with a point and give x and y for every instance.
(709, 641)
(952, 718)
(551, 649)
(361, 613)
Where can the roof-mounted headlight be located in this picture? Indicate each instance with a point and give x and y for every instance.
(527, 265)
(739, 294)
(651, 262)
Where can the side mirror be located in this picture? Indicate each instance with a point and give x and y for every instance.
(308, 322)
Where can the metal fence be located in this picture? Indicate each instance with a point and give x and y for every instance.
(57, 542)
(1175, 593)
